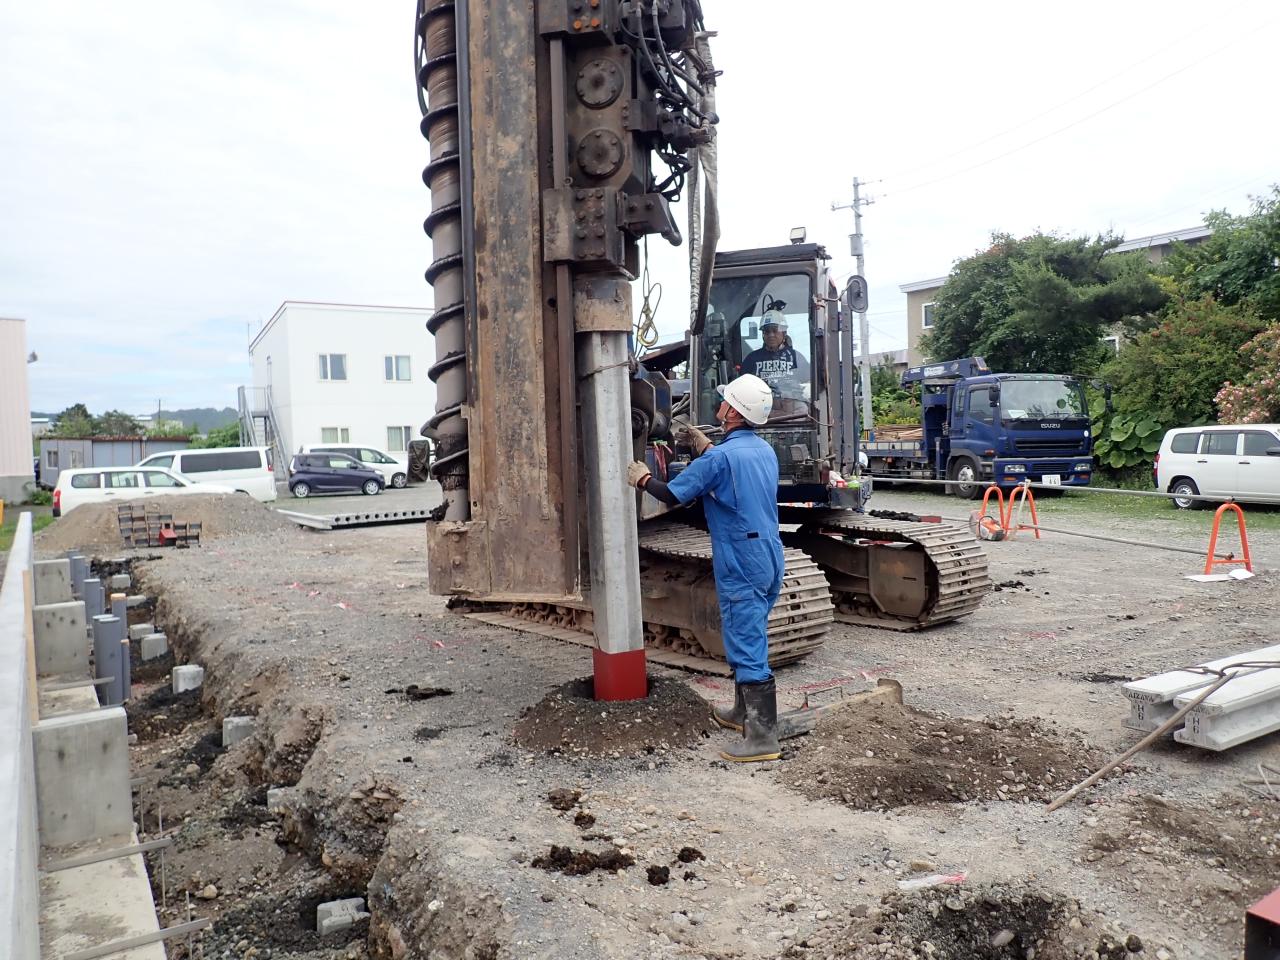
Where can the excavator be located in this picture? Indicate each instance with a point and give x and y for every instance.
(547, 124)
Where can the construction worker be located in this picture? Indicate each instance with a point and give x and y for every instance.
(738, 482)
(778, 363)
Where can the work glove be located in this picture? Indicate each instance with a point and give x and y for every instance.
(638, 473)
(690, 436)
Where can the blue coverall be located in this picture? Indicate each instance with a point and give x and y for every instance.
(738, 481)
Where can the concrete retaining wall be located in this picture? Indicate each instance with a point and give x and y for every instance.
(19, 839)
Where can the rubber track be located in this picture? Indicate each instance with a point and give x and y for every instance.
(798, 622)
(958, 559)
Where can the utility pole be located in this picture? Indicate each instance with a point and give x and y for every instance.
(864, 332)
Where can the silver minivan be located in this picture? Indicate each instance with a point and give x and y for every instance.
(1228, 461)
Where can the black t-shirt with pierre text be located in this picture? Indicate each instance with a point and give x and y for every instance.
(774, 367)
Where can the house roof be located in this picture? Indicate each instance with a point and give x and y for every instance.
(1163, 239)
(918, 285)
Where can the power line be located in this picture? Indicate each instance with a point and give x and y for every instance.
(1251, 182)
(1044, 113)
(1074, 123)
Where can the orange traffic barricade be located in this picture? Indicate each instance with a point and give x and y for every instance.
(1012, 526)
(983, 526)
(1211, 561)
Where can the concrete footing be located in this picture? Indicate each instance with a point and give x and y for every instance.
(339, 915)
(82, 777)
(135, 600)
(188, 677)
(120, 581)
(139, 630)
(51, 580)
(62, 644)
(154, 645)
(235, 729)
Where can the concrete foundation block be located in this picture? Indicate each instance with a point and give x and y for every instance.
(120, 581)
(339, 915)
(135, 600)
(82, 777)
(51, 580)
(154, 645)
(140, 630)
(279, 799)
(235, 729)
(188, 677)
(62, 642)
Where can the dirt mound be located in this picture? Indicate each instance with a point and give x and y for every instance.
(94, 526)
(162, 713)
(568, 720)
(878, 755)
(986, 923)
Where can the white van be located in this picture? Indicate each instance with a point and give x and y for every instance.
(249, 470)
(1239, 461)
(105, 484)
(395, 473)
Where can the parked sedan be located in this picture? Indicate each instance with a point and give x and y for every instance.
(331, 473)
(106, 484)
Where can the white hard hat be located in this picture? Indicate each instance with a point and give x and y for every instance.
(773, 318)
(750, 396)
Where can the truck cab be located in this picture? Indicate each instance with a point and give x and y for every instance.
(983, 428)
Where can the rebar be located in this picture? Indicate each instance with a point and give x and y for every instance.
(437, 76)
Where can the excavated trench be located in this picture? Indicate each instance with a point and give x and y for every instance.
(260, 869)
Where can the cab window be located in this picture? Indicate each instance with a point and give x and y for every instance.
(1257, 444)
(980, 404)
(1220, 444)
(156, 478)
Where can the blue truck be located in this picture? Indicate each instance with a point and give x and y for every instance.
(981, 428)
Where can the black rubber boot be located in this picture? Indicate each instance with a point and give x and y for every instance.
(731, 717)
(760, 725)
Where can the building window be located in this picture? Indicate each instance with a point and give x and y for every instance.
(335, 434)
(926, 316)
(396, 368)
(398, 438)
(333, 366)
(51, 458)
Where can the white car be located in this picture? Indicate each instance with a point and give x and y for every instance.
(249, 470)
(395, 473)
(107, 484)
(1230, 461)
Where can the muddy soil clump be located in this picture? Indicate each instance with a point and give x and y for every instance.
(954, 923)
(582, 862)
(879, 755)
(569, 721)
(162, 713)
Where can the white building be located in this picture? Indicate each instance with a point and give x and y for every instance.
(15, 412)
(340, 373)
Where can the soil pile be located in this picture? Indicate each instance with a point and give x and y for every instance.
(95, 527)
(987, 923)
(878, 755)
(568, 720)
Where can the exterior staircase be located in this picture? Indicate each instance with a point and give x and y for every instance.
(259, 426)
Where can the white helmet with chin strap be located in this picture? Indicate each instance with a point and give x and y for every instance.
(750, 396)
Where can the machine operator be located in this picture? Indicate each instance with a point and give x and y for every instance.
(738, 481)
(778, 363)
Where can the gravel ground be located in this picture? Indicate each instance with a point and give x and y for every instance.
(428, 807)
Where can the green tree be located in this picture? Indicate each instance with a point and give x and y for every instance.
(116, 423)
(890, 403)
(228, 436)
(1041, 303)
(1172, 373)
(75, 421)
(1238, 262)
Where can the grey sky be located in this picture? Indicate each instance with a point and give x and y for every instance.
(171, 172)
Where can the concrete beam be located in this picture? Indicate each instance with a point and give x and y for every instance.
(82, 777)
(52, 580)
(62, 645)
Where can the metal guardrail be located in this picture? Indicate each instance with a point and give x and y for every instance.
(19, 839)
